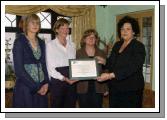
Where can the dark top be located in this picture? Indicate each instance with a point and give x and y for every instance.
(90, 85)
(23, 54)
(127, 66)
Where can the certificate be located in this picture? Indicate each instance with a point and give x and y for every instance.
(83, 69)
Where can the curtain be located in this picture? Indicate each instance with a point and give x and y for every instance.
(83, 16)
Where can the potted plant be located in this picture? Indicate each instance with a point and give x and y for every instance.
(9, 77)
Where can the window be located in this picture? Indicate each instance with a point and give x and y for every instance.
(10, 20)
(12, 29)
(10, 35)
(45, 36)
(46, 26)
(9, 40)
(45, 18)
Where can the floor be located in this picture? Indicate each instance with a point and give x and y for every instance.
(148, 99)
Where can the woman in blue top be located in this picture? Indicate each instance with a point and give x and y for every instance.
(30, 67)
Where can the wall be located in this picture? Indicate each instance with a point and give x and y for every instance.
(106, 17)
(106, 21)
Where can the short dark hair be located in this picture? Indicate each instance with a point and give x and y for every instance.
(134, 23)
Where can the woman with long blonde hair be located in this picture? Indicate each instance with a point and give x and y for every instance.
(32, 79)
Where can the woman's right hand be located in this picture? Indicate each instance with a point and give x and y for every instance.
(100, 60)
(69, 81)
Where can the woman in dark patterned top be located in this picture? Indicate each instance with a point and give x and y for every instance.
(125, 65)
(30, 67)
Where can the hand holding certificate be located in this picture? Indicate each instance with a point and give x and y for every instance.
(83, 69)
(70, 81)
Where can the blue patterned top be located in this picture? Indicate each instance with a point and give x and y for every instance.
(35, 70)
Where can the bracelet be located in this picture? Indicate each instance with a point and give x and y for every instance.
(111, 75)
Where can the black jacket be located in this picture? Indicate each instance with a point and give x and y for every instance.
(127, 66)
(22, 54)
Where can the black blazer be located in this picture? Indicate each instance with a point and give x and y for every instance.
(23, 54)
(127, 66)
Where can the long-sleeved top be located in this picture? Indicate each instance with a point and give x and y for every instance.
(127, 66)
(58, 56)
(83, 86)
(30, 67)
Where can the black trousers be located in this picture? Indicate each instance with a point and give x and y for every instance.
(63, 95)
(91, 99)
(125, 99)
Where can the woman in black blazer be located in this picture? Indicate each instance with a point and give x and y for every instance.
(125, 66)
(32, 79)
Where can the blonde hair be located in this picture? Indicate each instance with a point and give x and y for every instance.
(28, 19)
(58, 23)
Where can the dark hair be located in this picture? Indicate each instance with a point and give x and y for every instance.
(132, 21)
(60, 22)
(87, 33)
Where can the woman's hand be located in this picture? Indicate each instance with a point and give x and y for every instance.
(105, 76)
(105, 94)
(70, 81)
(100, 60)
(43, 90)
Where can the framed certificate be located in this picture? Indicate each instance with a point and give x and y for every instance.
(83, 69)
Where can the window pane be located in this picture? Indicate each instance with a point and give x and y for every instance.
(147, 37)
(10, 20)
(147, 73)
(45, 18)
(46, 37)
(9, 40)
(147, 40)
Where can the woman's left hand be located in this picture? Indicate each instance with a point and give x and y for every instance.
(100, 60)
(105, 76)
(43, 90)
